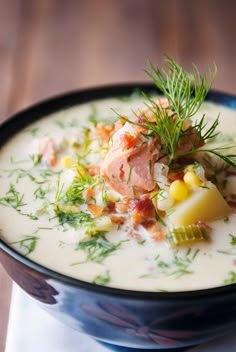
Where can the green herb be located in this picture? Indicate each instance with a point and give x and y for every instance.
(12, 198)
(185, 93)
(231, 279)
(27, 244)
(232, 249)
(93, 115)
(102, 280)
(33, 131)
(98, 248)
(36, 159)
(63, 124)
(41, 191)
(75, 192)
(180, 265)
(73, 219)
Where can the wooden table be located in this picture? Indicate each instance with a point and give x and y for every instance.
(52, 46)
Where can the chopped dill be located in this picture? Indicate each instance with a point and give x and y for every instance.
(73, 219)
(27, 244)
(103, 280)
(98, 248)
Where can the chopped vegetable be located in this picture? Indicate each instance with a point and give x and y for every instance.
(186, 235)
(205, 204)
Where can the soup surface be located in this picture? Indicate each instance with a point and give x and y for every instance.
(62, 206)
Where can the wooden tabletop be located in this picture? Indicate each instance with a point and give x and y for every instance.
(52, 46)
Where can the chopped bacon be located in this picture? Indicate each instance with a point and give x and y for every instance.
(232, 204)
(141, 209)
(49, 152)
(104, 132)
(123, 205)
(119, 220)
(95, 210)
(230, 173)
(153, 227)
(110, 208)
(173, 176)
(134, 235)
(89, 193)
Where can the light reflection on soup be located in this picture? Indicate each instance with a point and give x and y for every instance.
(82, 230)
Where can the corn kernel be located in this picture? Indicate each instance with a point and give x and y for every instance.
(192, 180)
(68, 161)
(178, 190)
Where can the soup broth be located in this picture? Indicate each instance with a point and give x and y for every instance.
(83, 233)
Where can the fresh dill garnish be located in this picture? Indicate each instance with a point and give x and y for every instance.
(231, 279)
(73, 219)
(232, 249)
(98, 248)
(33, 131)
(66, 124)
(75, 192)
(185, 93)
(36, 159)
(178, 266)
(13, 198)
(102, 280)
(41, 191)
(27, 244)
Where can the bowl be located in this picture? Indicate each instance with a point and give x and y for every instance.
(144, 320)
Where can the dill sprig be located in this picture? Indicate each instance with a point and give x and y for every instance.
(185, 93)
(98, 248)
(73, 219)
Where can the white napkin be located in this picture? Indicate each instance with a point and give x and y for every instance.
(31, 329)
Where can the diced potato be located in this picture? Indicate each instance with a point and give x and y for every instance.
(205, 204)
(103, 223)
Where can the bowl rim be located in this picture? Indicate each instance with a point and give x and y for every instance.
(56, 103)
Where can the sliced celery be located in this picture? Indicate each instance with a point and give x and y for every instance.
(186, 235)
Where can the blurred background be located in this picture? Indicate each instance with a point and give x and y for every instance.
(49, 47)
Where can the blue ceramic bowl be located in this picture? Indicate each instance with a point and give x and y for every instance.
(143, 320)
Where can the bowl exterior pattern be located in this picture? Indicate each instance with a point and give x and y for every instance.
(125, 321)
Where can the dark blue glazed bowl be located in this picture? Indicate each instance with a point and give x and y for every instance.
(143, 320)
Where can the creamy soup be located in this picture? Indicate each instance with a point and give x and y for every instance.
(63, 206)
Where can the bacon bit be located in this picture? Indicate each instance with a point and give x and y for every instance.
(122, 206)
(141, 209)
(110, 208)
(119, 220)
(49, 152)
(89, 193)
(104, 132)
(233, 196)
(203, 225)
(95, 210)
(232, 204)
(230, 173)
(158, 236)
(173, 176)
(129, 140)
(93, 170)
(234, 262)
(154, 229)
(134, 235)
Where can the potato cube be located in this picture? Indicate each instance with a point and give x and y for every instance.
(205, 204)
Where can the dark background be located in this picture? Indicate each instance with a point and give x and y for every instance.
(52, 46)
